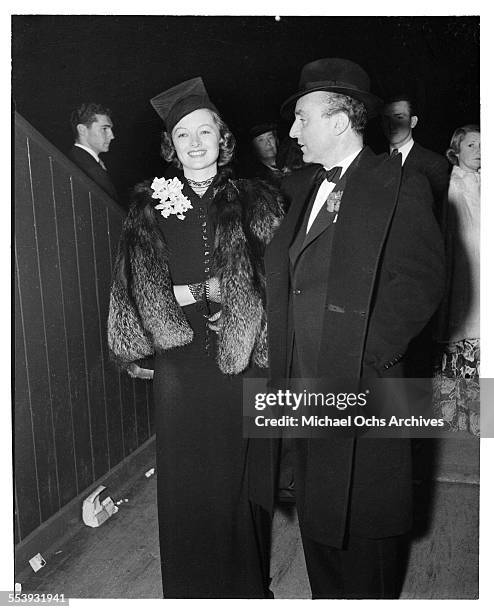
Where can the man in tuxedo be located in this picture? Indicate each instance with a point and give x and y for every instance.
(348, 287)
(93, 132)
(399, 118)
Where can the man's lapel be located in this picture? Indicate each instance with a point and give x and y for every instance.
(299, 187)
(325, 219)
(298, 243)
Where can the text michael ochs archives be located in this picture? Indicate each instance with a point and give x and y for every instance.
(286, 399)
(327, 408)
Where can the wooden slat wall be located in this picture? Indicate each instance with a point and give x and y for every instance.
(75, 416)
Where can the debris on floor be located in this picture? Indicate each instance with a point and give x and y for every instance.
(149, 472)
(96, 512)
(37, 562)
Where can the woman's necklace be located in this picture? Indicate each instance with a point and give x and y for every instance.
(206, 183)
(200, 187)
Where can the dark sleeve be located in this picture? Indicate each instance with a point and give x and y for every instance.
(266, 209)
(449, 230)
(412, 276)
(438, 175)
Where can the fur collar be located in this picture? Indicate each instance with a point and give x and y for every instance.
(144, 316)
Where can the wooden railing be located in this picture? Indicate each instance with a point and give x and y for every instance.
(75, 416)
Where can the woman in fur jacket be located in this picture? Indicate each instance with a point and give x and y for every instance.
(188, 290)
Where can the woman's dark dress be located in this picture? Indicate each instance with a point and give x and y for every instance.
(207, 535)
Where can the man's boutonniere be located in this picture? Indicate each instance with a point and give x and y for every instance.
(172, 200)
(333, 203)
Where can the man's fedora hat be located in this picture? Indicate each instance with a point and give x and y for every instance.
(336, 75)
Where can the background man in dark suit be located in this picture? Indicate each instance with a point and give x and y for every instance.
(352, 277)
(93, 132)
(399, 118)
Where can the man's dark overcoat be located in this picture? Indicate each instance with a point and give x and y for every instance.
(377, 275)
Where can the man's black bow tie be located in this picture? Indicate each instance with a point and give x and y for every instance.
(333, 175)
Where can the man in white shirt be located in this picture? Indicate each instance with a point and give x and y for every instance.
(354, 272)
(93, 132)
(399, 118)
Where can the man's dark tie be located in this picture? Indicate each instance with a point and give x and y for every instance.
(394, 153)
(101, 163)
(333, 175)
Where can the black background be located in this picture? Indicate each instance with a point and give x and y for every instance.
(250, 66)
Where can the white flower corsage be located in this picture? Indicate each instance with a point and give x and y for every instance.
(172, 200)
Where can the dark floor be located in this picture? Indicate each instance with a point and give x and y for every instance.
(120, 559)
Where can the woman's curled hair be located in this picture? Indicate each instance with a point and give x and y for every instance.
(226, 144)
(458, 135)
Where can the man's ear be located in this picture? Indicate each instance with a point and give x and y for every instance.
(413, 121)
(341, 122)
(81, 130)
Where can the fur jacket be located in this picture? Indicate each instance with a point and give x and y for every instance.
(144, 316)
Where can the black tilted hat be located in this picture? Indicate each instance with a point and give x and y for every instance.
(338, 76)
(262, 128)
(180, 100)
